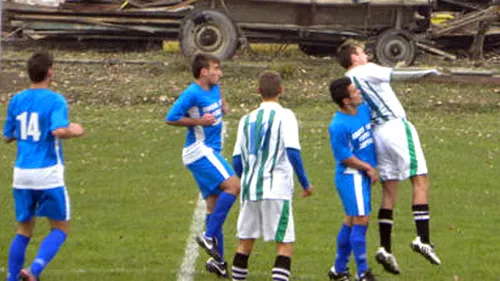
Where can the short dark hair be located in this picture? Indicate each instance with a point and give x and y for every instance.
(339, 90)
(347, 49)
(269, 84)
(201, 61)
(38, 66)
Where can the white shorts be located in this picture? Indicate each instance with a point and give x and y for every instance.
(272, 219)
(399, 153)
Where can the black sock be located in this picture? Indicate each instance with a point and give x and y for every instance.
(281, 269)
(421, 215)
(240, 267)
(385, 228)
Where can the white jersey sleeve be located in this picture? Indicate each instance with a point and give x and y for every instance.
(290, 130)
(376, 73)
(239, 137)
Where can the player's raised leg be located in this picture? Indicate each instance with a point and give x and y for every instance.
(421, 214)
(384, 254)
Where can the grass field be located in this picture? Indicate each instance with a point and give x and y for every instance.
(133, 201)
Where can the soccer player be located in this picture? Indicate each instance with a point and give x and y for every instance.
(200, 108)
(351, 139)
(398, 148)
(37, 119)
(266, 150)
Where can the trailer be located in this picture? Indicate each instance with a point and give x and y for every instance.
(393, 28)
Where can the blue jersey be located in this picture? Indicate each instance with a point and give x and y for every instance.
(193, 103)
(32, 115)
(351, 135)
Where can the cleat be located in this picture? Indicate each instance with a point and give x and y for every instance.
(209, 245)
(26, 275)
(426, 250)
(338, 276)
(387, 260)
(219, 268)
(366, 276)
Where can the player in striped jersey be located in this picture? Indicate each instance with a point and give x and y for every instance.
(200, 108)
(399, 152)
(351, 140)
(37, 119)
(266, 153)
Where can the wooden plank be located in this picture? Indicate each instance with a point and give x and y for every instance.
(113, 20)
(351, 2)
(436, 51)
(27, 9)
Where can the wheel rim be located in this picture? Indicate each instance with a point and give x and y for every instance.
(396, 50)
(208, 38)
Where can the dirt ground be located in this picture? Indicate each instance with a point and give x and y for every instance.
(99, 75)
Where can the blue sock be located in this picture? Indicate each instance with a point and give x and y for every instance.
(219, 236)
(48, 250)
(217, 218)
(17, 255)
(358, 244)
(220, 242)
(343, 248)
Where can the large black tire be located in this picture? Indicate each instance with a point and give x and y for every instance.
(318, 50)
(210, 32)
(395, 46)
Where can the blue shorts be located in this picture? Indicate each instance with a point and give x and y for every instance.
(355, 193)
(51, 203)
(210, 172)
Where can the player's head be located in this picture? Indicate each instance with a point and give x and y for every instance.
(352, 53)
(40, 67)
(207, 68)
(344, 93)
(269, 84)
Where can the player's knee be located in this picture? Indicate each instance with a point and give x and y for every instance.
(232, 186)
(63, 226)
(284, 249)
(361, 220)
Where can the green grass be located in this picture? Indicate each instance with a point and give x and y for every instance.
(132, 200)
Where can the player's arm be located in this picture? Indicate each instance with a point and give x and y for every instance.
(290, 132)
(225, 104)
(378, 73)
(237, 161)
(60, 126)
(9, 140)
(405, 75)
(9, 127)
(295, 158)
(237, 165)
(73, 130)
(339, 141)
(360, 165)
(206, 120)
(176, 116)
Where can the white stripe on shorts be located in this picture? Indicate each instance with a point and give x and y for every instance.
(68, 208)
(215, 161)
(358, 191)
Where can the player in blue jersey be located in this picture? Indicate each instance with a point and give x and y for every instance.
(200, 108)
(37, 119)
(352, 144)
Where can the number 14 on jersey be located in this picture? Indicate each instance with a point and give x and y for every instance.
(29, 126)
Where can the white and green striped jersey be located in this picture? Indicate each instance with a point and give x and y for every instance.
(263, 136)
(374, 83)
